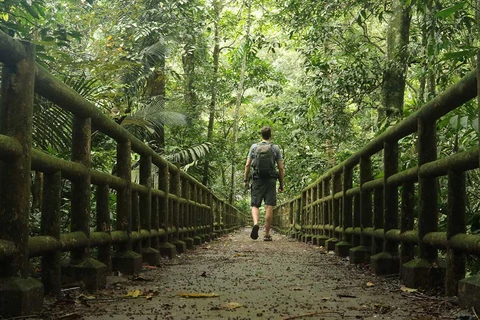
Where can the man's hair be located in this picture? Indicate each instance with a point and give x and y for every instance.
(266, 133)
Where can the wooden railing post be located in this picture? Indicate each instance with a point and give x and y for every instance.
(136, 224)
(188, 215)
(155, 220)
(426, 271)
(387, 262)
(303, 216)
(342, 248)
(210, 214)
(407, 250)
(356, 222)
(125, 259)
(361, 253)
(102, 195)
(377, 220)
(50, 226)
(165, 247)
(82, 267)
(19, 294)
(316, 217)
(335, 211)
(175, 188)
(455, 225)
(149, 254)
(198, 217)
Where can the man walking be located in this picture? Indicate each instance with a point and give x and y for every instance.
(262, 158)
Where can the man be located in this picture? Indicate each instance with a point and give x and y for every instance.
(262, 158)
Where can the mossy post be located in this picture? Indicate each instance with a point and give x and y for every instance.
(377, 246)
(335, 211)
(165, 247)
(426, 271)
(125, 259)
(81, 266)
(102, 196)
(356, 221)
(209, 217)
(20, 295)
(342, 248)
(155, 221)
(175, 188)
(198, 217)
(188, 209)
(361, 253)
(325, 189)
(407, 250)
(388, 262)
(136, 225)
(316, 213)
(50, 226)
(456, 224)
(149, 254)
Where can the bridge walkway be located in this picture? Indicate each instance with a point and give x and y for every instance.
(245, 279)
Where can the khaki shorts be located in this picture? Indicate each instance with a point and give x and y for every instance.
(264, 190)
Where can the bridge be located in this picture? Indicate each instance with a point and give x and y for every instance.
(372, 221)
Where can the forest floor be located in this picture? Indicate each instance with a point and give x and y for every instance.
(235, 277)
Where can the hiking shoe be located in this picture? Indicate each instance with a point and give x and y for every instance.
(254, 233)
(267, 237)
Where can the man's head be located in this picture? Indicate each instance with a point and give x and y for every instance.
(266, 133)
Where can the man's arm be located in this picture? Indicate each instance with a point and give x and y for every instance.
(281, 175)
(247, 171)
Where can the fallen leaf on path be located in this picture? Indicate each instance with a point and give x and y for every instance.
(196, 295)
(297, 289)
(231, 305)
(370, 284)
(149, 267)
(407, 289)
(134, 293)
(149, 296)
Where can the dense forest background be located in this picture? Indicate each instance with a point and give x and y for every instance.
(197, 79)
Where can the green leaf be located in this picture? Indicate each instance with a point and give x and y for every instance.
(454, 122)
(459, 55)
(475, 125)
(450, 10)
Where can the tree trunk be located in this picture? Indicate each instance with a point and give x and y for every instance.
(240, 90)
(432, 56)
(213, 90)
(397, 54)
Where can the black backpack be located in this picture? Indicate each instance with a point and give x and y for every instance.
(263, 162)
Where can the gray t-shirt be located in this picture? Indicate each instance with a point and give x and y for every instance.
(275, 149)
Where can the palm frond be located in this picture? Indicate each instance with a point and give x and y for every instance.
(186, 157)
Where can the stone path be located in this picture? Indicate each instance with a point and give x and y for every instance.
(238, 278)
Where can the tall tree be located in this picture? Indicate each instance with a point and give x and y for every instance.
(393, 89)
(240, 90)
(217, 9)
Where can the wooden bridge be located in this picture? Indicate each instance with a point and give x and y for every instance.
(346, 210)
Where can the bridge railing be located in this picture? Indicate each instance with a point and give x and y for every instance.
(150, 221)
(392, 222)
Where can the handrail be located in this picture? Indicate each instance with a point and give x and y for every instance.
(150, 222)
(370, 221)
